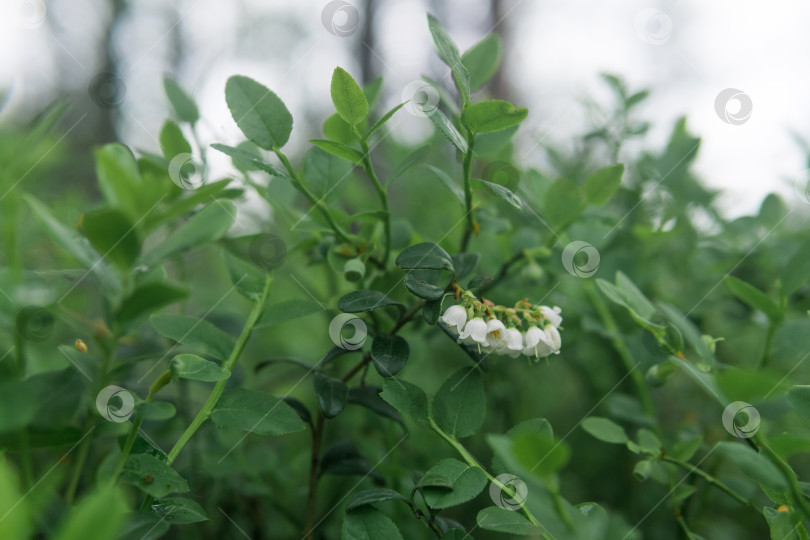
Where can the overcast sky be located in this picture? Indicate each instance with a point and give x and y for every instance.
(753, 55)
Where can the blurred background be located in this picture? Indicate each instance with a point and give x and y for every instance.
(730, 67)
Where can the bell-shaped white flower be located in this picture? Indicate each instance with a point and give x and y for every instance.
(552, 315)
(455, 318)
(496, 332)
(537, 343)
(514, 342)
(553, 337)
(475, 331)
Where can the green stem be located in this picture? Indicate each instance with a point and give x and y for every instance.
(766, 353)
(624, 353)
(319, 204)
(381, 192)
(472, 462)
(216, 393)
(712, 480)
(787, 473)
(122, 459)
(467, 165)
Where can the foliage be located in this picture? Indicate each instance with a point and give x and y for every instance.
(172, 367)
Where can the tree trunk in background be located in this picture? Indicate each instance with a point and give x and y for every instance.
(498, 85)
(367, 43)
(104, 130)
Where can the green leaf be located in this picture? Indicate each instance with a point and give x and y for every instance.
(602, 184)
(192, 367)
(382, 121)
(179, 510)
(99, 516)
(247, 278)
(258, 162)
(605, 430)
(256, 412)
(504, 193)
(426, 255)
(781, 524)
(754, 298)
(368, 523)
(14, 507)
(369, 398)
(201, 335)
(460, 404)
(626, 294)
(119, 179)
(365, 300)
(754, 465)
(207, 225)
(172, 140)
(492, 115)
(422, 284)
(332, 394)
(449, 53)
(144, 525)
(685, 449)
(539, 452)
(446, 127)
(799, 399)
(287, 310)
(407, 398)
(482, 60)
(451, 184)
(408, 162)
(495, 518)
(347, 96)
(72, 242)
(113, 236)
(797, 271)
(465, 481)
(340, 150)
(336, 129)
(372, 90)
(371, 496)
(156, 410)
(259, 113)
(146, 299)
(152, 476)
(182, 103)
(564, 202)
(389, 354)
(325, 173)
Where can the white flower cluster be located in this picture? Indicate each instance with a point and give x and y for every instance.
(541, 339)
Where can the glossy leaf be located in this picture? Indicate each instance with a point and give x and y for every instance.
(192, 367)
(482, 60)
(426, 255)
(255, 411)
(368, 523)
(492, 115)
(407, 398)
(152, 476)
(259, 112)
(332, 394)
(200, 335)
(389, 354)
(348, 98)
(460, 404)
